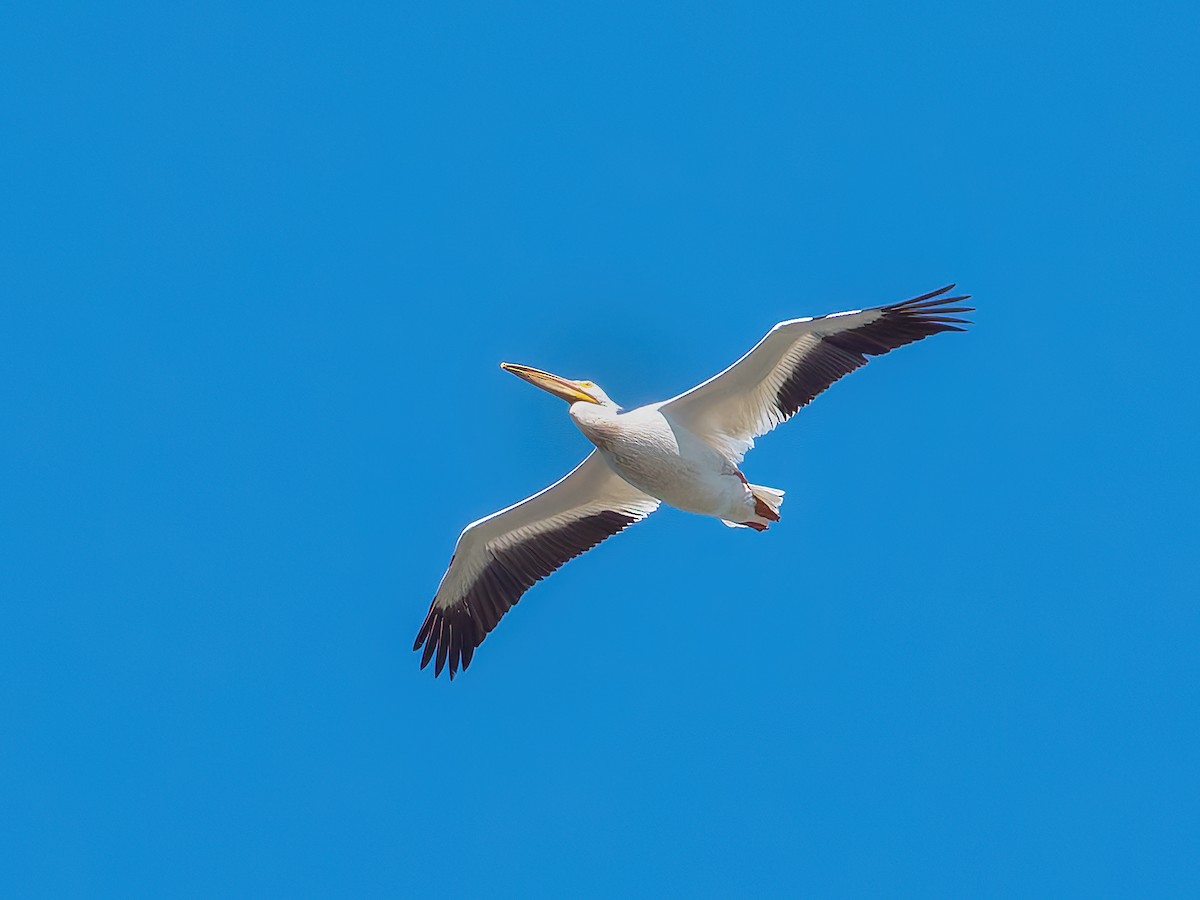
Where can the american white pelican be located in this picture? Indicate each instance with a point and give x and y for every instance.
(684, 451)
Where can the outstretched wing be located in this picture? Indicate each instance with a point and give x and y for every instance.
(797, 360)
(500, 557)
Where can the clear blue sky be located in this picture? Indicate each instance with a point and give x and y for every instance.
(257, 269)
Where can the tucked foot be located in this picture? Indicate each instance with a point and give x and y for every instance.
(766, 501)
(762, 509)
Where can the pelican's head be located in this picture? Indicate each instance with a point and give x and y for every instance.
(571, 391)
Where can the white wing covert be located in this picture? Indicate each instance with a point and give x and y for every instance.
(498, 558)
(799, 359)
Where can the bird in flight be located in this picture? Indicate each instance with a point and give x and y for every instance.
(686, 452)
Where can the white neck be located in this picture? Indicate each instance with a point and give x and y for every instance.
(597, 422)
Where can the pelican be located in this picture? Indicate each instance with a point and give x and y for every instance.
(686, 452)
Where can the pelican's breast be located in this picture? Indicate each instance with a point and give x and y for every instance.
(667, 462)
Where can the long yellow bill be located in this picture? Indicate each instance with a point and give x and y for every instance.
(568, 390)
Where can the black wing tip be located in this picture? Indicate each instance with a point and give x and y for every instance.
(423, 632)
(841, 352)
(452, 633)
(934, 300)
(931, 313)
(449, 638)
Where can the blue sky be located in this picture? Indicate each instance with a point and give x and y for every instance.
(257, 269)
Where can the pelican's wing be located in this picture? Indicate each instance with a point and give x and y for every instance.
(799, 359)
(499, 558)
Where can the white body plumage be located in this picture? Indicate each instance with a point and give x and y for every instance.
(664, 459)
